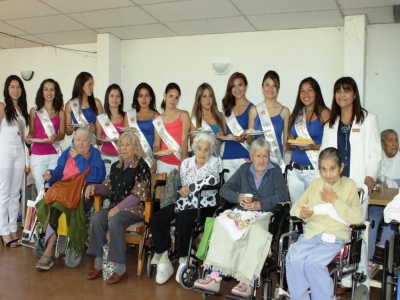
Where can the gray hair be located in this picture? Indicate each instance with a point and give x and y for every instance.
(260, 143)
(385, 133)
(86, 129)
(205, 138)
(139, 152)
(330, 153)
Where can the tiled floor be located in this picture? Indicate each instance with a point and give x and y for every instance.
(20, 280)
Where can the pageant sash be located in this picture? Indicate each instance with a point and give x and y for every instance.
(236, 129)
(132, 122)
(48, 127)
(166, 137)
(108, 128)
(269, 134)
(207, 127)
(77, 111)
(301, 128)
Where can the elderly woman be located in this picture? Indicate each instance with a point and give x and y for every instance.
(390, 167)
(195, 172)
(129, 180)
(328, 207)
(75, 159)
(240, 239)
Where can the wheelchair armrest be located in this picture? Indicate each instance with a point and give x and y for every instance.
(357, 227)
(97, 202)
(295, 219)
(280, 206)
(159, 183)
(395, 223)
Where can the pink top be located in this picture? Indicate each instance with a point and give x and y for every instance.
(108, 148)
(43, 148)
(175, 130)
(70, 168)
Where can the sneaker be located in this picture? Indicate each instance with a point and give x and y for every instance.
(45, 265)
(243, 290)
(208, 283)
(164, 272)
(178, 272)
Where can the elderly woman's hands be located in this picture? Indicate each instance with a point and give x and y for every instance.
(47, 176)
(306, 212)
(113, 211)
(254, 205)
(73, 152)
(184, 191)
(89, 192)
(328, 195)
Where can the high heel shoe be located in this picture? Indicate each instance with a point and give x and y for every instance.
(10, 243)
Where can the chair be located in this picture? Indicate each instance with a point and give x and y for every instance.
(138, 233)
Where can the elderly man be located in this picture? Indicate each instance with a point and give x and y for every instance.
(390, 166)
(240, 238)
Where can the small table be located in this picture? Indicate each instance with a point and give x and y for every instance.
(382, 198)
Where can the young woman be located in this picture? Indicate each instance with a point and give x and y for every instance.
(205, 114)
(355, 133)
(141, 116)
(47, 121)
(171, 130)
(108, 124)
(271, 117)
(307, 121)
(83, 107)
(236, 114)
(13, 118)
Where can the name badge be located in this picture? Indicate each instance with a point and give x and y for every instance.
(355, 130)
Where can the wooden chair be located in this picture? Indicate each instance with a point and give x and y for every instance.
(138, 233)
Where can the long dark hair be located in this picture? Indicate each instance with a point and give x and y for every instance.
(359, 113)
(114, 86)
(197, 109)
(170, 86)
(10, 111)
(135, 102)
(77, 91)
(228, 102)
(58, 102)
(319, 103)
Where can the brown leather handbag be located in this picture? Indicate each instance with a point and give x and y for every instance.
(68, 191)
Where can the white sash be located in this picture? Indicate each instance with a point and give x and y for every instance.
(208, 127)
(77, 111)
(21, 132)
(48, 127)
(132, 122)
(236, 129)
(166, 137)
(108, 128)
(301, 128)
(269, 134)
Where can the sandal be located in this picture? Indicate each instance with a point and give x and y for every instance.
(10, 244)
(46, 265)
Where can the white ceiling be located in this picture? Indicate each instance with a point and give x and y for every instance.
(63, 22)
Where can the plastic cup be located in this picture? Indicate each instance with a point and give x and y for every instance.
(381, 183)
(249, 198)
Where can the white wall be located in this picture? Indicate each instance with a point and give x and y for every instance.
(383, 74)
(294, 54)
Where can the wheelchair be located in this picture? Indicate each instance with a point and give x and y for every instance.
(391, 265)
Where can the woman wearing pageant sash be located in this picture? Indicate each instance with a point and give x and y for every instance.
(307, 121)
(83, 107)
(236, 113)
(13, 117)
(205, 114)
(171, 131)
(108, 125)
(271, 117)
(47, 123)
(141, 117)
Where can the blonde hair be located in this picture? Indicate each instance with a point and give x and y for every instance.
(139, 152)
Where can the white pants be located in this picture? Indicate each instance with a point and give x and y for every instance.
(232, 165)
(11, 177)
(39, 165)
(162, 167)
(298, 181)
(108, 161)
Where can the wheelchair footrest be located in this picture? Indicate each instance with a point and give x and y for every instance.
(359, 277)
(62, 242)
(208, 293)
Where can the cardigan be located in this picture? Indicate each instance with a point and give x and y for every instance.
(271, 191)
(347, 206)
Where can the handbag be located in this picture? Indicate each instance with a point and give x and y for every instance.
(169, 193)
(67, 191)
(205, 240)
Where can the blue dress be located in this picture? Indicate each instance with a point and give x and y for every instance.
(89, 114)
(147, 128)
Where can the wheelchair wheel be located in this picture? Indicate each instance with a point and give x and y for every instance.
(72, 258)
(38, 247)
(387, 273)
(188, 276)
(361, 293)
(149, 266)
